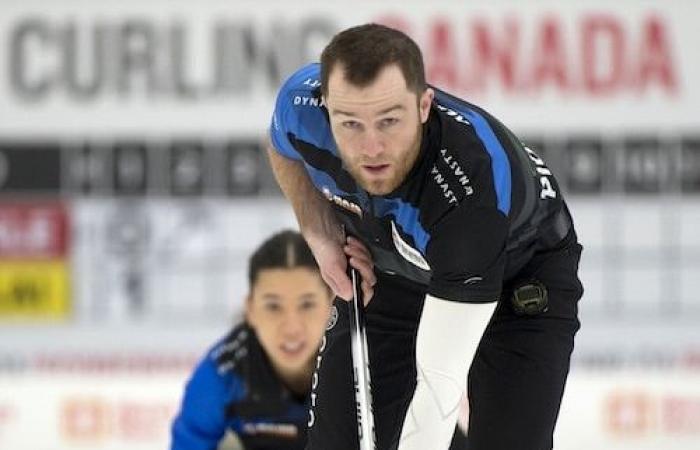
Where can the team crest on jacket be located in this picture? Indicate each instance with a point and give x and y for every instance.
(409, 253)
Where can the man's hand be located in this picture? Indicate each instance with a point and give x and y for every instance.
(361, 259)
(322, 231)
(333, 256)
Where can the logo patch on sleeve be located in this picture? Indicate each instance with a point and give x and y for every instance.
(409, 253)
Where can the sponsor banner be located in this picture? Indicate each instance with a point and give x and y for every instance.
(630, 410)
(33, 230)
(39, 412)
(34, 290)
(135, 168)
(34, 271)
(612, 410)
(212, 68)
(683, 355)
(7, 417)
(638, 163)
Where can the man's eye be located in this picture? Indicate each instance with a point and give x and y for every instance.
(389, 121)
(351, 124)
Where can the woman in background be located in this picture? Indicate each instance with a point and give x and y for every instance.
(256, 381)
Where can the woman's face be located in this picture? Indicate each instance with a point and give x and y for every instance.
(288, 309)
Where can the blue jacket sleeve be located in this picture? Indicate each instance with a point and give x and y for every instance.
(201, 421)
(284, 117)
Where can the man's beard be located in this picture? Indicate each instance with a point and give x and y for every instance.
(378, 187)
(400, 167)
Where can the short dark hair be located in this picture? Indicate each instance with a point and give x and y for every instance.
(365, 50)
(284, 250)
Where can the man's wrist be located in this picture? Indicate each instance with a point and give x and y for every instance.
(324, 229)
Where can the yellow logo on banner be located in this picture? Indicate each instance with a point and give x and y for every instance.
(35, 290)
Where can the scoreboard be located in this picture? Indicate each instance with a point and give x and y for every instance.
(585, 164)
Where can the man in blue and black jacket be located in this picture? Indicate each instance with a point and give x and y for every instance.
(473, 257)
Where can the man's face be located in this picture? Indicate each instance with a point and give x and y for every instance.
(377, 128)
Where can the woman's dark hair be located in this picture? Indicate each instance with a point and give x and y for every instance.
(284, 250)
(365, 50)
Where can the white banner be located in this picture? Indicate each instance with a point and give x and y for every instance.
(213, 67)
(112, 412)
(601, 410)
(631, 410)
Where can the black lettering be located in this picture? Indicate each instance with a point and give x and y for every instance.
(84, 61)
(314, 34)
(137, 57)
(282, 52)
(26, 294)
(233, 55)
(184, 87)
(31, 85)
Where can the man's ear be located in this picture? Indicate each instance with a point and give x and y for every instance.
(426, 100)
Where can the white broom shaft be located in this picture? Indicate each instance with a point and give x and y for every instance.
(360, 360)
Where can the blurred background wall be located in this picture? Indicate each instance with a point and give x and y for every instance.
(133, 186)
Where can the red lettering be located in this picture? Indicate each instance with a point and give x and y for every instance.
(490, 53)
(441, 57)
(6, 413)
(85, 419)
(681, 415)
(142, 421)
(629, 413)
(550, 57)
(655, 61)
(33, 230)
(395, 22)
(602, 54)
